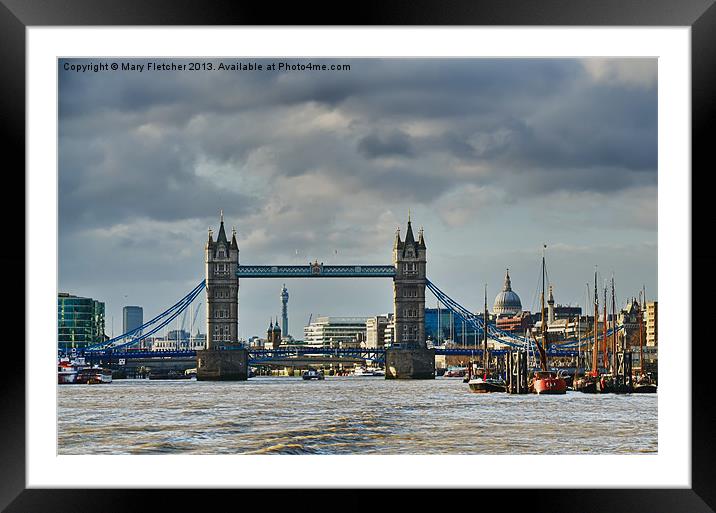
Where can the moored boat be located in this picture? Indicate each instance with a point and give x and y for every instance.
(66, 372)
(548, 382)
(483, 380)
(484, 384)
(644, 385)
(586, 384)
(93, 376)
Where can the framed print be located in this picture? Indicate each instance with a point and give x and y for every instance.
(503, 200)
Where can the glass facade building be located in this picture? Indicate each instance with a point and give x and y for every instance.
(80, 322)
(447, 326)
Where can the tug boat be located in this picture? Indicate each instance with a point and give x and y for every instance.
(313, 374)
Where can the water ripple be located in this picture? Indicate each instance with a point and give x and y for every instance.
(345, 416)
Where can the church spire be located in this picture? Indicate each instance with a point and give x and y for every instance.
(508, 282)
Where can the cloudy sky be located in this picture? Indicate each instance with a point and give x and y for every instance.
(492, 157)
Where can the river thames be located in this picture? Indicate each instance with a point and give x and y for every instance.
(345, 415)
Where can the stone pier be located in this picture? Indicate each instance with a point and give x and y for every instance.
(410, 363)
(222, 365)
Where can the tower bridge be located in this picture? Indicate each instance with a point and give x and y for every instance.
(225, 358)
(222, 359)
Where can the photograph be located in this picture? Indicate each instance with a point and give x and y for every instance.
(358, 256)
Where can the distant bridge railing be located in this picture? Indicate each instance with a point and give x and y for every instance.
(315, 271)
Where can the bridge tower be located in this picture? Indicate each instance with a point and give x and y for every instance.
(222, 288)
(224, 359)
(409, 288)
(409, 357)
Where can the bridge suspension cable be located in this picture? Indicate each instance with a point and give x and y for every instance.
(503, 337)
(152, 326)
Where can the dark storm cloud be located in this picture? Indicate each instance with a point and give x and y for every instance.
(133, 144)
(393, 144)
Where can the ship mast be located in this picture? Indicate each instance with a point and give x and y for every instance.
(641, 328)
(595, 348)
(543, 350)
(485, 362)
(614, 330)
(605, 357)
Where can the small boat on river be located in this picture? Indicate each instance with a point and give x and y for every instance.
(485, 384)
(368, 372)
(93, 376)
(455, 372)
(313, 374)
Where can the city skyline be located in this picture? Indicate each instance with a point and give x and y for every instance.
(493, 157)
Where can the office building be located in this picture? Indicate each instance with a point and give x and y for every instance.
(377, 331)
(132, 318)
(337, 332)
(80, 322)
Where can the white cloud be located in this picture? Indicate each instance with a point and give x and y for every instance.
(631, 72)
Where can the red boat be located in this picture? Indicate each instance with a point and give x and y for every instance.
(547, 382)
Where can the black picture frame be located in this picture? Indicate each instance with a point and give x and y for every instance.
(700, 15)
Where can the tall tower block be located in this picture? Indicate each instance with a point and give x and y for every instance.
(409, 258)
(222, 289)
(284, 310)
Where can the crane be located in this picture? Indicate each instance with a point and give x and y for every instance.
(196, 313)
(183, 320)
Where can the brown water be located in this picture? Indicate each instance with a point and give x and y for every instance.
(346, 415)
